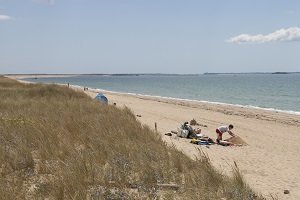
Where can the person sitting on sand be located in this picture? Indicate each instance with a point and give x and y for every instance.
(223, 129)
(192, 133)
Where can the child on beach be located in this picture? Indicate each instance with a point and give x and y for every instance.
(223, 129)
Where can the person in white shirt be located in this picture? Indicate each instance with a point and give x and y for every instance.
(224, 129)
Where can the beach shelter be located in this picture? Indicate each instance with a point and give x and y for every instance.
(101, 98)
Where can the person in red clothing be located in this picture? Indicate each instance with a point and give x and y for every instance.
(224, 129)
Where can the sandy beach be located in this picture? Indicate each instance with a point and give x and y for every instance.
(270, 162)
(216, 63)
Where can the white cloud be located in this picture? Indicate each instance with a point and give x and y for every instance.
(5, 17)
(49, 2)
(282, 35)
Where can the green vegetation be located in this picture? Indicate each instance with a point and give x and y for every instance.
(60, 144)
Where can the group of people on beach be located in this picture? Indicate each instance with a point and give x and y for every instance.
(189, 132)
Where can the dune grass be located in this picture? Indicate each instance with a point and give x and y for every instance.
(60, 144)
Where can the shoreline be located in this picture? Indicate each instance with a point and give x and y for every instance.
(270, 161)
(275, 110)
(230, 109)
(200, 101)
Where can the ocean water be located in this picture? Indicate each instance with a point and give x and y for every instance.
(280, 92)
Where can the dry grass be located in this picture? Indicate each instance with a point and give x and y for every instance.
(60, 144)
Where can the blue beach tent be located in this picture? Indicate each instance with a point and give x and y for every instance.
(101, 98)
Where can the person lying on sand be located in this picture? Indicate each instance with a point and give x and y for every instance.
(224, 129)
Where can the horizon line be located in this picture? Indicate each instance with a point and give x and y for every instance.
(205, 73)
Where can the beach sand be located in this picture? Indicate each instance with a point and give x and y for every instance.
(270, 162)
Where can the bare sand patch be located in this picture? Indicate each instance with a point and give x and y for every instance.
(237, 140)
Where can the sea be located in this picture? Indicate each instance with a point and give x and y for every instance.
(277, 92)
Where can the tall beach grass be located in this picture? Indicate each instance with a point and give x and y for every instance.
(56, 143)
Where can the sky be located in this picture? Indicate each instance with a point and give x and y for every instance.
(149, 36)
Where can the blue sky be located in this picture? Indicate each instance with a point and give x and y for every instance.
(149, 36)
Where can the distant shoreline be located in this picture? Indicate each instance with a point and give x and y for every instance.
(142, 74)
(253, 73)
